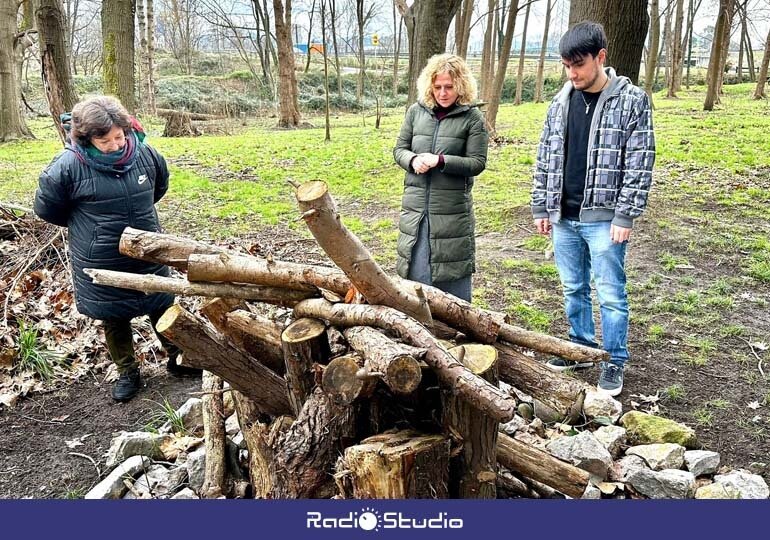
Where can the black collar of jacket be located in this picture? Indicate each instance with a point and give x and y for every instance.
(457, 110)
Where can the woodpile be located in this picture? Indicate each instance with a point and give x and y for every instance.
(372, 387)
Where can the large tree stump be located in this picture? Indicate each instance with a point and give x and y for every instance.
(178, 124)
(397, 364)
(207, 349)
(533, 463)
(347, 252)
(304, 343)
(473, 467)
(397, 465)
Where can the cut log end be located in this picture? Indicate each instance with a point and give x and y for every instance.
(404, 374)
(341, 380)
(303, 330)
(167, 319)
(311, 191)
(476, 357)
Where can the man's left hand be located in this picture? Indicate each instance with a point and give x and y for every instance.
(619, 234)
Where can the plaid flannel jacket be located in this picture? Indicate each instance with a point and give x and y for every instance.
(621, 155)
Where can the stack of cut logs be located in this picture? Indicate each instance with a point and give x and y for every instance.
(398, 397)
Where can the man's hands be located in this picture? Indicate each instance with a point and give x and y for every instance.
(619, 234)
(424, 162)
(543, 226)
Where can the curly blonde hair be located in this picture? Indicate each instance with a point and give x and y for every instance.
(464, 82)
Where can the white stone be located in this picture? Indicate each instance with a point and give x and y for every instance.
(700, 462)
(750, 486)
(625, 467)
(231, 425)
(135, 443)
(717, 491)
(185, 494)
(513, 425)
(613, 438)
(599, 404)
(113, 487)
(191, 415)
(665, 484)
(659, 456)
(591, 492)
(196, 468)
(583, 451)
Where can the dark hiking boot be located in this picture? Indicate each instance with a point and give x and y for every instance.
(560, 364)
(127, 386)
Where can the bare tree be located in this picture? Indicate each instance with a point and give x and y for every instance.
(652, 50)
(182, 31)
(328, 136)
(497, 88)
(57, 77)
(333, 27)
(759, 91)
(427, 25)
(718, 53)
(118, 47)
(625, 22)
(487, 52)
(522, 52)
(398, 22)
(677, 51)
(12, 46)
(543, 48)
(463, 27)
(692, 10)
(287, 85)
(310, 36)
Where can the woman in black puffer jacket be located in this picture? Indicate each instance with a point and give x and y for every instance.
(105, 180)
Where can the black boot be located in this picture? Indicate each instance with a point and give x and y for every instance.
(127, 386)
(178, 370)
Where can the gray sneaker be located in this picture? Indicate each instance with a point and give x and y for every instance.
(560, 364)
(610, 379)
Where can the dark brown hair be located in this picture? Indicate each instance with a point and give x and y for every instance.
(95, 117)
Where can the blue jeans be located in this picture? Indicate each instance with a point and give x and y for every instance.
(583, 251)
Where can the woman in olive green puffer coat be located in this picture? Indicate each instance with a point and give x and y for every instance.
(442, 146)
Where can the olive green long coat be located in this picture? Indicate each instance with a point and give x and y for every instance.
(443, 194)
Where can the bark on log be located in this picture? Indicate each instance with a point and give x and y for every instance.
(510, 484)
(563, 394)
(255, 428)
(473, 467)
(151, 283)
(551, 345)
(258, 336)
(531, 462)
(344, 382)
(214, 437)
(397, 465)
(304, 343)
(346, 251)
(162, 248)
(216, 310)
(207, 349)
(397, 363)
(474, 389)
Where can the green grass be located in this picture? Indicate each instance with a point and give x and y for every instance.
(655, 333)
(34, 356)
(165, 412)
(675, 392)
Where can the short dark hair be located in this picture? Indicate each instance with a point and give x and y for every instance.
(584, 38)
(96, 116)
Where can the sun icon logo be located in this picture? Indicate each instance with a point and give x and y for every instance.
(369, 520)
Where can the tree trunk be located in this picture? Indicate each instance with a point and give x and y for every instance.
(625, 23)
(463, 27)
(118, 50)
(214, 437)
(397, 364)
(477, 391)
(304, 343)
(473, 466)
(541, 466)
(652, 51)
(333, 25)
(206, 349)
(759, 91)
(309, 35)
(327, 119)
(396, 465)
(57, 79)
(12, 124)
(716, 63)
(398, 22)
(149, 94)
(522, 53)
(287, 85)
(361, 53)
(347, 252)
(488, 53)
(496, 92)
(427, 26)
(725, 49)
(179, 124)
(741, 41)
(543, 49)
(677, 53)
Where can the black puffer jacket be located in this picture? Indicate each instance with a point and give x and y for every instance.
(96, 206)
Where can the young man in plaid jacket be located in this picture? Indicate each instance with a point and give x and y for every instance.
(592, 176)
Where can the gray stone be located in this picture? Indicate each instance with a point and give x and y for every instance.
(613, 438)
(646, 428)
(513, 425)
(191, 415)
(599, 404)
(583, 451)
(665, 484)
(717, 491)
(625, 467)
(113, 487)
(196, 468)
(231, 425)
(135, 443)
(750, 486)
(700, 462)
(659, 456)
(185, 494)
(591, 492)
